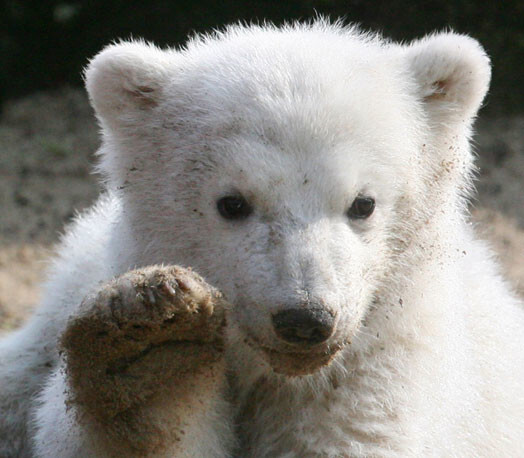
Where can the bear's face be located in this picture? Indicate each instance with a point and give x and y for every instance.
(281, 166)
(285, 219)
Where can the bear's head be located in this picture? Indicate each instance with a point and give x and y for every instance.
(293, 168)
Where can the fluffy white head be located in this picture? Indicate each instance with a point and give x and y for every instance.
(296, 124)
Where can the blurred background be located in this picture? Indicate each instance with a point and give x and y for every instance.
(44, 44)
(48, 134)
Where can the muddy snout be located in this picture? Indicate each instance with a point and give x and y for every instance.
(304, 326)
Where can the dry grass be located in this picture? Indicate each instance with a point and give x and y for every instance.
(22, 269)
(507, 240)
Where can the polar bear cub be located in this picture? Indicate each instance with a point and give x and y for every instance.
(282, 264)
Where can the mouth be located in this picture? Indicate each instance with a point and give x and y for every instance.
(291, 359)
(295, 363)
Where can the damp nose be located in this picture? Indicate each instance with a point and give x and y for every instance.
(304, 326)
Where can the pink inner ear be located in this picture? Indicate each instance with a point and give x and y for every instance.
(144, 89)
(438, 90)
(143, 94)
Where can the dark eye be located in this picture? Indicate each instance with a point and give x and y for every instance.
(362, 207)
(234, 207)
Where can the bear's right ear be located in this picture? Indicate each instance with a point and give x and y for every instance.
(125, 81)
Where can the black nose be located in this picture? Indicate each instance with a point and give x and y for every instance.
(305, 326)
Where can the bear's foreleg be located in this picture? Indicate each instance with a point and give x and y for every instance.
(142, 372)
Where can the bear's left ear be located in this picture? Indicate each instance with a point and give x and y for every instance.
(452, 74)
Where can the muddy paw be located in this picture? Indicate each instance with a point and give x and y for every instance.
(140, 333)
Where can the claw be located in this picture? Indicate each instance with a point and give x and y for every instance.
(151, 296)
(170, 289)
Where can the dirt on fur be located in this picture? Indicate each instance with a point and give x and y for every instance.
(149, 334)
(47, 145)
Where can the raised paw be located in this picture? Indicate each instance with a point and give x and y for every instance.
(157, 302)
(140, 333)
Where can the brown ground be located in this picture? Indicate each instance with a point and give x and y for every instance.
(46, 155)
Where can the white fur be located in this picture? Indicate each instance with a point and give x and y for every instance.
(299, 120)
